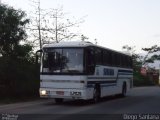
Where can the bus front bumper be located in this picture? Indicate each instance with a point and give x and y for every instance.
(66, 93)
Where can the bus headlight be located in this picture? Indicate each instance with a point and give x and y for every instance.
(43, 92)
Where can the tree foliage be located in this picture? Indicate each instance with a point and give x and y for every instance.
(12, 30)
(151, 51)
(17, 68)
(136, 58)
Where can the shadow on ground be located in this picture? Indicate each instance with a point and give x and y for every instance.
(84, 102)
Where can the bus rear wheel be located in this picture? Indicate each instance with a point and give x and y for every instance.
(58, 100)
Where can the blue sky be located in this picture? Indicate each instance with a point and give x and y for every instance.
(113, 22)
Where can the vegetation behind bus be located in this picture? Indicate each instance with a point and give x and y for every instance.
(18, 72)
(138, 78)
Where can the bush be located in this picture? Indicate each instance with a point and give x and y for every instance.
(139, 80)
(19, 78)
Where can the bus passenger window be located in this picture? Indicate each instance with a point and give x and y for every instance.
(90, 61)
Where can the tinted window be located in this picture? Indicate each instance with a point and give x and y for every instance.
(105, 57)
(98, 56)
(90, 60)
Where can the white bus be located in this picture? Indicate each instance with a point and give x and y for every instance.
(82, 70)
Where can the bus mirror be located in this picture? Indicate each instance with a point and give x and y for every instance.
(37, 59)
(38, 55)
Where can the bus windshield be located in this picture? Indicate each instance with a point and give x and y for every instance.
(63, 60)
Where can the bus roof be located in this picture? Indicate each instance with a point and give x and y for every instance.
(69, 44)
(78, 44)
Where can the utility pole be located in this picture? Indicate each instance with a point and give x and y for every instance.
(55, 16)
(56, 32)
(39, 24)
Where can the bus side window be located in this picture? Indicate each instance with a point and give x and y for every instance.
(123, 61)
(98, 56)
(105, 57)
(110, 62)
(90, 61)
(113, 59)
(130, 62)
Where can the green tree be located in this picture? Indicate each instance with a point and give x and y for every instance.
(152, 50)
(17, 69)
(12, 30)
(138, 61)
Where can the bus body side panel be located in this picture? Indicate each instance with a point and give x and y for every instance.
(110, 79)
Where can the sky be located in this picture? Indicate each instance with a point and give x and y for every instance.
(114, 23)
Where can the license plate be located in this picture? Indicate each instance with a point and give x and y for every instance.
(60, 92)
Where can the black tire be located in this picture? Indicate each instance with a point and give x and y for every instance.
(58, 100)
(124, 90)
(96, 95)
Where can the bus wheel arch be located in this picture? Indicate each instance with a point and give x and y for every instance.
(124, 89)
(96, 93)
